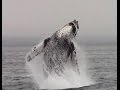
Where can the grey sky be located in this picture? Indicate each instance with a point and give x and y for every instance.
(33, 18)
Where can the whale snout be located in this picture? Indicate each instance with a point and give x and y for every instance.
(75, 24)
(75, 27)
(69, 30)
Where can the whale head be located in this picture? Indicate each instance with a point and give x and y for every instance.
(69, 31)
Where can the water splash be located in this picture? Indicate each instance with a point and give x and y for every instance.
(70, 79)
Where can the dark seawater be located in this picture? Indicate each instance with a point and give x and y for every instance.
(102, 67)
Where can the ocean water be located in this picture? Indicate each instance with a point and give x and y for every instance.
(102, 65)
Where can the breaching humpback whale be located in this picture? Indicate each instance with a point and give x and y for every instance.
(55, 54)
(59, 50)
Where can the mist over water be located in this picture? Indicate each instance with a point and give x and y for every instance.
(69, 79)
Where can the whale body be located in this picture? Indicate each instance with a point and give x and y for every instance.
(55, 59)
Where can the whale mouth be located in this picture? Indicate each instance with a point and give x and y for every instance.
(75, 26)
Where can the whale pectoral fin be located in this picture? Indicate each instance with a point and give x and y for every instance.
(70, 49)
(73, 58)
(28, 57)
(36, 50)
(74, 61)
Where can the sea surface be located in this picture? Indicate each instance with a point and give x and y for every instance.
(102, 61)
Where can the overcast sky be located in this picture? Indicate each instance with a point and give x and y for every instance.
(33, 18)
